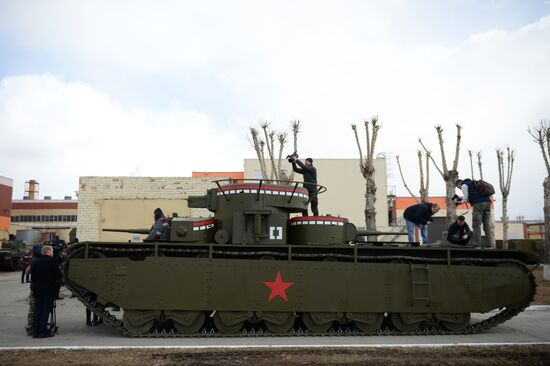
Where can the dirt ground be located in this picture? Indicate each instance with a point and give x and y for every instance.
(471, 356)
(543, 290)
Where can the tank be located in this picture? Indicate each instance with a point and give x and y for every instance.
(259, 268)
(10, 253)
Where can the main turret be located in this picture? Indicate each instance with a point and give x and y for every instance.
(258, 212)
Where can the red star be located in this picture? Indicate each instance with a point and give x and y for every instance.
(278, 287)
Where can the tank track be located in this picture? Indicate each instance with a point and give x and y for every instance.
(209, 331)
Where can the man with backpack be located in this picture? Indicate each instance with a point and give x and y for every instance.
(478, 194)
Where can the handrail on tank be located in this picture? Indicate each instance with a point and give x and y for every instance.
(320, 188)
(221, 189)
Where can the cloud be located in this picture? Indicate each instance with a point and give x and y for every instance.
(61, 129)
(327, 65)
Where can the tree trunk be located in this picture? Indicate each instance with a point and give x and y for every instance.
(546, 260)
(450, 186)
(504, 222)
(370, 204)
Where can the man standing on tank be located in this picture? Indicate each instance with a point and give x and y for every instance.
(310, 180)
(420, 215)
(481, 211)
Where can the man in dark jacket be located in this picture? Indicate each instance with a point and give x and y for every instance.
(481, 212)
(45, 276)
(161, 228)
(310, 180)
(420, 215)
(36, 250)
(459, 232)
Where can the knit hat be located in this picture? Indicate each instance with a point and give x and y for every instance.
(158, 213)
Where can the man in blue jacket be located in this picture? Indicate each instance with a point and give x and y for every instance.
(420, 215)
(481, 212)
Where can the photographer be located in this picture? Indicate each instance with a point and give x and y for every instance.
(310, 179)
(481, 214)
(420, 215)
(459, 232)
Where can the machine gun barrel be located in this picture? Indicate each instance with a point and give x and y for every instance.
(131, 231)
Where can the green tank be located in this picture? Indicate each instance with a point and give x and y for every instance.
(258, 268)
(10, 253)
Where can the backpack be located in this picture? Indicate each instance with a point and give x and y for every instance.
(484, 188)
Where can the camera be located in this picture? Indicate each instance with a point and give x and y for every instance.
(292, 157)
(457, 200)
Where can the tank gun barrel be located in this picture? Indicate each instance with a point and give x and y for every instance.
(131, 231)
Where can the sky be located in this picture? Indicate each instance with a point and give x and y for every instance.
(164, 88)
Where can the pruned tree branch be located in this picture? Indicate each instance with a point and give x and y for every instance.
(457, 147)
(480, 165)
(295, 128)
(431, 158)
(471, 163)
(541, 135)
(361, 162)
(257, 143)
(404, 182)
(281, 137)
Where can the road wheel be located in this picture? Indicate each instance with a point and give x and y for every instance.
(318, 322)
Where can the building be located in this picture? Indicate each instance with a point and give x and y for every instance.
(6, 192)
(38, 220)
(345, 195)
(129, 202)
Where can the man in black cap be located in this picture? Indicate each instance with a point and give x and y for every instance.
(459, 232)
(310, 180)
(161, 228)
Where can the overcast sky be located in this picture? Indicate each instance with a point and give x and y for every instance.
(164, 88)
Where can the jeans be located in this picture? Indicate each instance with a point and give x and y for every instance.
(44, 305)
(482, 214)
(423, 232)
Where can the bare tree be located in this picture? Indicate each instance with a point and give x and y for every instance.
(505, 178)
(275, 165)
(366, 165)
(449, 175)
(541, 135)
(424, 183)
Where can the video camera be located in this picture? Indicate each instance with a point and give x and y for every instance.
(457, 200)
(292, 157)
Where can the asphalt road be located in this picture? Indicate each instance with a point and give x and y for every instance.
(530, 327)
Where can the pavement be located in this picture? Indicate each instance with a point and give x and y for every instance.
(530, 327)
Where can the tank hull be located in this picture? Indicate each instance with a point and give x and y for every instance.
(342, 282)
